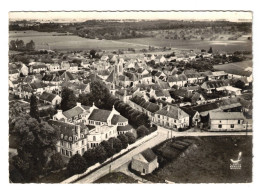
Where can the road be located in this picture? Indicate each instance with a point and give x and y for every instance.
(124, 159)
(163, 134)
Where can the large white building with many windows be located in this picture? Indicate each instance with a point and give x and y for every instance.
(84, 127)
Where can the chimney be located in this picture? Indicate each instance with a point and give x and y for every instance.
(78, 131)
(161, 106)
(168, 108)
(59, 111)
(78, 104)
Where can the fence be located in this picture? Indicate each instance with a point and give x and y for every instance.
(137, 143)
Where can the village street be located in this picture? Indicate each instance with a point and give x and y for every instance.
(163, 134)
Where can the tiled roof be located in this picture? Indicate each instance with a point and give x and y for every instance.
(47, 96)
(149, 155)
(226, 115)
(110, 78)
(172, 112)
(205, 107)
(214, 84)
(118, 118)
(124, 128)
(99, 115)
(75, 111)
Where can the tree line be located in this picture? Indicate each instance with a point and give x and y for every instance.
(19, 45)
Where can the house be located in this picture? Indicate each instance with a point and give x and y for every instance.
(161, 94)
(178, 80)
(107, 123)
(160, 75)
(147, 107)
(198, 98)
(226, 121)
(36, 68)
(54, 67)
(103, 124)
(26, 90)
(172, 117)
(73, 138)
(211, 86)
(103, 74)
(50, 98)
(74, 115)
(218, 75)
(73, 68)
(160, 59)
(64, 65)
(193, 77)
(194, 115)
(145, 162)
(230, 90)
(13, 74)
(21, 67)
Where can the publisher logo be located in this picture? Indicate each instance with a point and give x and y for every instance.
(236, 164)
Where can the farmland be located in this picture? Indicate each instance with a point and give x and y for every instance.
(207, 160)
(232, 67)
(220, 45)
(57, 41)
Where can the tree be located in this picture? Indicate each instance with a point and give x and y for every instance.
(56, 162)
(100, 154)
(89, 157)
(76, 165)
(210, 50)
(142, 131)
(240, 84)
(68, 99)
(99, 92)
(108, 148)
(30, 46)
(152, 99)
(130, 137)
(34, 112)
(116, 144)
(93, 53)
(35, 142)
(124, 140)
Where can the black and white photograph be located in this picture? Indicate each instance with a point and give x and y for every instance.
(134, 97)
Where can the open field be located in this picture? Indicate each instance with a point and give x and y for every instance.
(44, 40)
(236, 66)
(116, 177)
(229, 46)
(207, 160)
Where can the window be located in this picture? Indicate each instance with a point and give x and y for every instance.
(238, 121)
(82, 142)
(232, 126)
(219, 121)
(97, 123)
(76, 138)
(219, 126)
(61, 143)
(94, 138)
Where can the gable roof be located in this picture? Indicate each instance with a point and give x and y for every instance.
(226, 115)
(75, 111)
(149, 155)
(117, 119)
(172, 112)
(47, 96)
(205, 107)
(99, 115)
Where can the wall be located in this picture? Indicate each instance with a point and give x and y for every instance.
(226, 125)
(137, 143)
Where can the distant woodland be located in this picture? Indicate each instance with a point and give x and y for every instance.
(113, 30)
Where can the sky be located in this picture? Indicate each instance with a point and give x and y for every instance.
(171, 15)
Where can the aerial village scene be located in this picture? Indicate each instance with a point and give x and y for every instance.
(130, 100)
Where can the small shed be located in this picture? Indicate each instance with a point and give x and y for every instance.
(145, 162)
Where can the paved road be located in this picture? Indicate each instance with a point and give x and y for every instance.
(124, 159)
(163, 134)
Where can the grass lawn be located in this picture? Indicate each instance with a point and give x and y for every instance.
(236, 66)
(207, 160)
(56, 177)
(116, 177)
